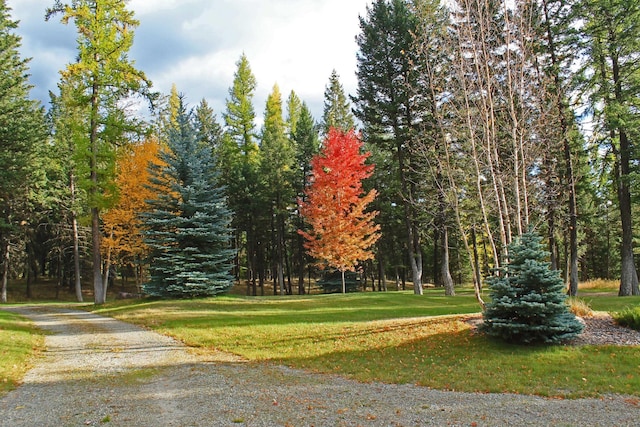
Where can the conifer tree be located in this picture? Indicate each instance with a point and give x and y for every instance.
(528, 298)
(386, 104)
(307, 145)
(240, 158)
(337, 108)
(188, 225)
(277, 153)
(21, 129)
(105, 76)
(208, 128)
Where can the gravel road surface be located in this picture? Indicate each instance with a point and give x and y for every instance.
(98, 371)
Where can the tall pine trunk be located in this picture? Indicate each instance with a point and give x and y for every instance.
(96, 237)
(445, 273)
(628, 273)
(4, 250)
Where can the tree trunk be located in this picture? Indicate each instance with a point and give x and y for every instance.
(628, 273)
(98, 286)
(76, 257)
(76, 246)
(476, 258)
(28, 271)
(5, 270)
(105, 274)
(445, 273)
(413, 237)
(344, 285)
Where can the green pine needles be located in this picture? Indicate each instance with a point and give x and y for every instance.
(528, 299)
(188, 226)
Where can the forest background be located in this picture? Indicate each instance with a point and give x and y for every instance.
(484, 119)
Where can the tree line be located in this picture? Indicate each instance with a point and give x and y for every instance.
(485, 119)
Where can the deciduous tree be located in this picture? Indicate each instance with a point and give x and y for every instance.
(123, 243)
(341, 231)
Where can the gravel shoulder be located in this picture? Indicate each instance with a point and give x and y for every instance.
(98, 371)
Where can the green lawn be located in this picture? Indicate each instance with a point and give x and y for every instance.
(19, 340)
(387, 337)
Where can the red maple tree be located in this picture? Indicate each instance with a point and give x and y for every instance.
(341, 231)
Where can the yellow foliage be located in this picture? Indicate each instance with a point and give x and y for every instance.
(121, 224)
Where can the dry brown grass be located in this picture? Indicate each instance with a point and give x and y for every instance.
(599, 285)
(579, 307)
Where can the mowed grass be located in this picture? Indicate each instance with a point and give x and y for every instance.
(19, 340)
(393, 337)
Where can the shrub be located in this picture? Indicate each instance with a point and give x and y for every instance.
(629, 317)
(528, 298)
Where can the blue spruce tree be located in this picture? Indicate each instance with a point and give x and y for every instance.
(528, 298)
(188, 226)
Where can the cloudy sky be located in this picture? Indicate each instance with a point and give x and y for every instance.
(196, 44)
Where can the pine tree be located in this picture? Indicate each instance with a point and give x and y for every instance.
(307, 144)
(277, 154)
(240, 160)
(610, 76)
(337, 108)
(105, 76)
(528, 298)
(188, 224)
(208, 128)
(21, 129)
(386, 105)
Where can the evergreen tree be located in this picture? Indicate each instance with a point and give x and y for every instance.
(385, 103)
(21, 129)
(528, 298)
(294, 108)
(208, 128)
(106, 76)
(240, 158)
(337, 108)
(277, 154)
(610, 76)
(188, 225)
(307, 145)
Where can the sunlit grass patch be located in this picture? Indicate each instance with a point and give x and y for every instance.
(390, 337)
(19, 340)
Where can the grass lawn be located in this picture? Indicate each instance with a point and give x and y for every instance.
(386, 337)
(18, 341)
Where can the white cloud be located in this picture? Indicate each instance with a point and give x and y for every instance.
(196, 43)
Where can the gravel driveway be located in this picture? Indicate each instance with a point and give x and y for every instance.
(98, 371)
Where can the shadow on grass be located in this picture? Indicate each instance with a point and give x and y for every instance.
(461, 360)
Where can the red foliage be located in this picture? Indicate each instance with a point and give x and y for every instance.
(342, 233)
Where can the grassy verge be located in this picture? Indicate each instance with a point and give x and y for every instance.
(19, 340)
(385, 337)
